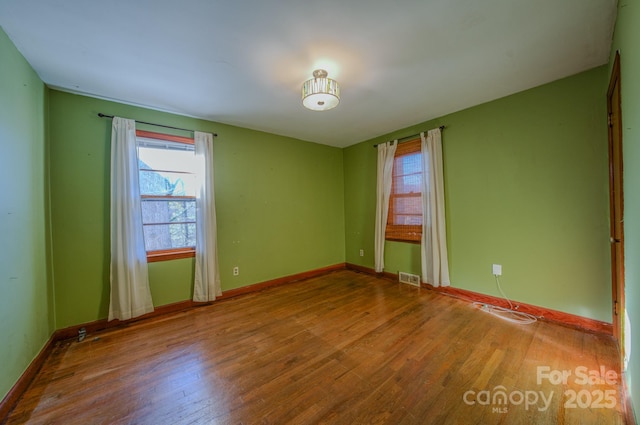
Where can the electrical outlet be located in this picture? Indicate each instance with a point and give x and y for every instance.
(497, 270)
(362, 252)
(236, 271)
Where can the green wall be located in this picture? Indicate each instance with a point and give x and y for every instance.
(626, 40)
(279, 204)
(526, 187)
(26, 320)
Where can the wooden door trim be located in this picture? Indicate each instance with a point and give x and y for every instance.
(617, 283)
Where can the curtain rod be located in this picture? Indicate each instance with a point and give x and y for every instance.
(101, 115)
(407, 138)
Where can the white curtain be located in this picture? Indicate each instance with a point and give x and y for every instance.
(130, 293)
(386, 153)
(207, 274)
(435, 263)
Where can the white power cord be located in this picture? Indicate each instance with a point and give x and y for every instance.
(508, 314)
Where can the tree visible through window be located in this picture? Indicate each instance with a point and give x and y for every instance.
(405, 203)
(167, 167)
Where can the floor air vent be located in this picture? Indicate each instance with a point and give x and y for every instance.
(408, 278)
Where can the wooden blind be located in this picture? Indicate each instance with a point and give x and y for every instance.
(405, 203)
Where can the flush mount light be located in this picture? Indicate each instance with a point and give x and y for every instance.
(320, 93)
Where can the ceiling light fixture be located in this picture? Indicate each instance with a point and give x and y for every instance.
(320, 93)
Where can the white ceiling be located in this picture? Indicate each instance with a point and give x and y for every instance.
(243, 62)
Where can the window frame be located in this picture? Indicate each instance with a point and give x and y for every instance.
(175, 253)
(403, 232)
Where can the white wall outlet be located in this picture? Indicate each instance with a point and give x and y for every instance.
(497, 270)
(362, 252)
(236, 271)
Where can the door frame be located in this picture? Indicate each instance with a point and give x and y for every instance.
(616, 204)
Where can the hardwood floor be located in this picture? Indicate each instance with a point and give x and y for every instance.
(344, 348)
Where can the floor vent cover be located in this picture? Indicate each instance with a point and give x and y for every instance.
(408, 278)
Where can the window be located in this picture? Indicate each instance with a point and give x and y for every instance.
(167, 167)
(405, 203)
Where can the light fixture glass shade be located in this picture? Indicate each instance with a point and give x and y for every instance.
(320, 93)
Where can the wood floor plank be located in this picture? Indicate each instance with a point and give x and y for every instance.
(344, 348)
